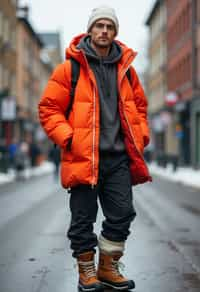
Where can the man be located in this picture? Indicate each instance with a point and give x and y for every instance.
(54, 156)
(102, 142)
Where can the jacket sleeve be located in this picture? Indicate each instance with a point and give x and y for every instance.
(53, 105)
(141, 104)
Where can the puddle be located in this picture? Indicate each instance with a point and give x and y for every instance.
(191, 209)
(169, 243)
(183, 229)
(32, 259)
(188, 242)
(192, 280)
(57, 250)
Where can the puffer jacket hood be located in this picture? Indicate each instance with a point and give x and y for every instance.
(75, 50)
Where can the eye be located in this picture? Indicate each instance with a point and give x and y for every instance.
(110, 27)
(99, 25)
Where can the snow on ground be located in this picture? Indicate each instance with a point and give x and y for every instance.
(5, 178)
(184, 175)
(44, 168)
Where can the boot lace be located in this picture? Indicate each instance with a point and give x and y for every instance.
(88, 268)
(116, 266)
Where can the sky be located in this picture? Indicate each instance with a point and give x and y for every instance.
(70, 18)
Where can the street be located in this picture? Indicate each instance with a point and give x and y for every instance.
(162, 252)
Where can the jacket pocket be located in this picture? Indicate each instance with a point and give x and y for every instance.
(66, 154)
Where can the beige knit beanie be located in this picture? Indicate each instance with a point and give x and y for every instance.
(103, 12)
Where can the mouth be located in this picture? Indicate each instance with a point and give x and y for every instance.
(103, 39)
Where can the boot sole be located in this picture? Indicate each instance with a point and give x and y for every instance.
(122, 288)
(82, 289)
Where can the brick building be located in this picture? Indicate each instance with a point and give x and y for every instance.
(7, 67)
(195, 106)
(182, 72)
(157, 83)
(25, 66)
(181, 136)
(28, 77)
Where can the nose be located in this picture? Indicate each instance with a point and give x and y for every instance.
(105, 29)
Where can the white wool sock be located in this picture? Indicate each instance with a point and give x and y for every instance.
(109, 246)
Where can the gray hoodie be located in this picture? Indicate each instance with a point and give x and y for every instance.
(105, 71)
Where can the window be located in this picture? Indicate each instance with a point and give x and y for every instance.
(198, 66)
(198, 11)
(1, 24)
(13, 84)
(1, 76)
(5, 77)
(25, 53)
(13, 37)
(26, 94)
(14, 2)
(6, 30)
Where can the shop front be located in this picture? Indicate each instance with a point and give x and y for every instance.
(8, 118)
(182, 131)
(195, 132)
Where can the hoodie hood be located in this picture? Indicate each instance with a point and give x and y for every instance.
(113, 57)
(76, 51)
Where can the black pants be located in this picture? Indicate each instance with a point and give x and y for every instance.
(115, 195)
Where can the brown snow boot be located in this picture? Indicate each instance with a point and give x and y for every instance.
(108, 272)
(87, 273)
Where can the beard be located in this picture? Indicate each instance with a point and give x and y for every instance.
(102, 45)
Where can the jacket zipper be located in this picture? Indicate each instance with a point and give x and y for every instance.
(93, 138)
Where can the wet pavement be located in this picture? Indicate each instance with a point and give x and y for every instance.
(162, 252)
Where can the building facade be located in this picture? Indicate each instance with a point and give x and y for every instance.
(157, 83)
(52, 47)
(179, 119)
(179, 71)
(29, 46)
(183, 29)
(195, 106)
(25, 67)
(50, 57)
(7, 68)
(46, 69)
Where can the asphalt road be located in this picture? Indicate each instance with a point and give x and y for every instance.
(162, 252)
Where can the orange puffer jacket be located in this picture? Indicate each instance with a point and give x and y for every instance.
(80, 163)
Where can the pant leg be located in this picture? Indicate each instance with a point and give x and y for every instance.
(83, 206)
(116, 197)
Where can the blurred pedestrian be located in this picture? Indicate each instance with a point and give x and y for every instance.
(21, 159)
(34, 152)
(12, 149)
(4, 156)
(102, 139)
(54, 156)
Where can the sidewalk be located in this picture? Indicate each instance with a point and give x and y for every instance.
(44, 168)
(184, 175)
